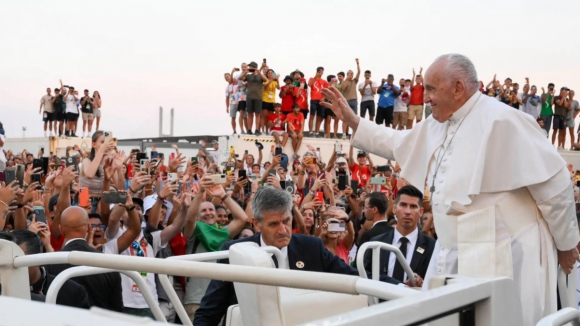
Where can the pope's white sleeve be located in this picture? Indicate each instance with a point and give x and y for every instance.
(376, 139)
(555, 199)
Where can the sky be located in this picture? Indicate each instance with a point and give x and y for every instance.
(141, 55)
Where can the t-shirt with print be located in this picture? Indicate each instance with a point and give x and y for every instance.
(401, 102)
(317, 87)
(350, 89)
(287, 101)
(46, 100)
(417, 95)
(573, 108)
(269, 92)
(559, 110)
(255, 85)
(295, 121)
(232, 93)
(71, 104)
(132, 296)
(532, 106)
(302, 99)
(280, 125)
(361, 174)
(387, 97)
(369, 96)
(242, 90)
(547, 107)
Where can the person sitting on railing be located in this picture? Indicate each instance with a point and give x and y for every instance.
(272, 210)
(104, 290)
(414, 245)
(71, 293)
(204, 234)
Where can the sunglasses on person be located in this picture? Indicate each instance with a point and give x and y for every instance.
(137, 247)
(100, 226)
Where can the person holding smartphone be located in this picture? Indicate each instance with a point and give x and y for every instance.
(337, 242)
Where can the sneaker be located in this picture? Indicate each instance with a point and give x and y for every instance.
(249, 132)
(235, 133)
(257, 133)
(296, 156)
(343, 136)
(45, 134)
(311, 134)
(560, 148)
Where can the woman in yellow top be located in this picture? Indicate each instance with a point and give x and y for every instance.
(269, 97)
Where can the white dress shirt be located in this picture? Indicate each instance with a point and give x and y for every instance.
(412, 237)
(284, 264)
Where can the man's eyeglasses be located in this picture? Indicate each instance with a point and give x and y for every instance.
(100, 226)
(137, 247)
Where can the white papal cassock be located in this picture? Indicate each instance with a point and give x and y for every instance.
(502, 201)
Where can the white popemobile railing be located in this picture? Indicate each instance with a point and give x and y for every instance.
(488, 300)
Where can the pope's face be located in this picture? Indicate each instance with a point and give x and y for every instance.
(441, 93)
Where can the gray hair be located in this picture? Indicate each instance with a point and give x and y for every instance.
(459, 67)
(270, 200)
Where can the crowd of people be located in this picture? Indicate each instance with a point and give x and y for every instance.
(61, 111)
(177, 206)
(254, 92)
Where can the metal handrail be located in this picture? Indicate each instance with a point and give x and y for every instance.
(202, 257)
(63, 276)
(561, 317)
(567, 287)
(377, 246)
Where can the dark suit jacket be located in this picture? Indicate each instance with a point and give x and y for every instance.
(71, 293)
(376, 230)
(104, 290)
(307, 249)
(419, 262)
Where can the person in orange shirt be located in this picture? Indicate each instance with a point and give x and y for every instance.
(316, 85)
(416, 101)
(295, 122)
(301, 92)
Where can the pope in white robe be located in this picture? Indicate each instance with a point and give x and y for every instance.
(500, 193)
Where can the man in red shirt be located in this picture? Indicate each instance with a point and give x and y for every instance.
(295, 122)
(416, 102)
(287, 95)
(276, 124)
(316, 85)
(301, 93)
(361, 172)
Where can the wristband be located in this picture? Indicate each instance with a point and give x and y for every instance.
(3, 203)
(223, 199)
(160, 198)
(130, 209)
(20, 206)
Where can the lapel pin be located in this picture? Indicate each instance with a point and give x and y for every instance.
(299, 264)
(420, 250)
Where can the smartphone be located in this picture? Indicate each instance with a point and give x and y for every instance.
(194, 160)
(338, 147)
(36, 177)
(341, 182)
(71, 161)
(37, 163)
(272, 172)
(108, 136)
(310, 160)
(154, 154)
(278, 151)
(246, 151)
(42, 150)
(171, 177)
(289, 186)
(354, 185)
(114, 197)
(337, 227)
(140, 156)
(2, 176)
(20, 174)
(321, 174)
(236, 69)
(218, 179)
(383, 168)
(45, 165)
(9, 176)
(378, 181)
(178, 191)
(230, 170)
(264, 60)
(320, 196)
(143, 165)
(84, 197)
(242, 174)
(39, 214)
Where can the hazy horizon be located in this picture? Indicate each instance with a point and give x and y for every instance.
(141, 55)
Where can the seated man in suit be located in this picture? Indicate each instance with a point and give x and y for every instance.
(415, 246)
(272, 210)
(70, 294)
(104, 290)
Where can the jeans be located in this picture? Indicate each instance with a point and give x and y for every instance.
(547, 122)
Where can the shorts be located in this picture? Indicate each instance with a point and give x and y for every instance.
(72, 116)
(97, 113)
(399, 120)
(328, 113)
(559, 122)
(254, 105)
(385, 115)
(367, 105)
(242, 106)
(233, 110)
(304, 113)
(48, 116)
(279, 132)
(570, 123)
(88, 116)
(353, 105)
(415, 111)
(316, 108)
(268, 106)
(59, 116)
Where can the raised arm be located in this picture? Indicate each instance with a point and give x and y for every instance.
(172, 229)
(90, 168)
(357, 70)
(133, 226)
(63, 201)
